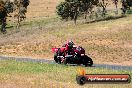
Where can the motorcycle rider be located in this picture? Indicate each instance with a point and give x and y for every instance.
(69, 47)
(68, 50)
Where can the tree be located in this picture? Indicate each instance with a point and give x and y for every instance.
(116, 3)
(103, 4)
(20, 7)
(72, 8)
(7, 7)
(124, 6)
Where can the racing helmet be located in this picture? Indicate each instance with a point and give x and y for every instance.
(70, 44)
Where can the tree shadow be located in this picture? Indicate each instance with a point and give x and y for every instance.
(106, 19)
(24, 24)
(9, 27)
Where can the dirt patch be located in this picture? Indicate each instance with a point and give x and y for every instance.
(103, 42)
(43, 8)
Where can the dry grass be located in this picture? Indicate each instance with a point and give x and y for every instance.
(105, 41)
(42, 8)
(39, 75)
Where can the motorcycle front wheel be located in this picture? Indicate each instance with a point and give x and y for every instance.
(87, 61)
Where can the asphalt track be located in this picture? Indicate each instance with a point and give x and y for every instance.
(114, 67)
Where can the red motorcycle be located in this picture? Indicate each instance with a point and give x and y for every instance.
(74, 56)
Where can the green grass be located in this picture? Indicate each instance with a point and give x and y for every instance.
(29, 74)
(31, 22)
